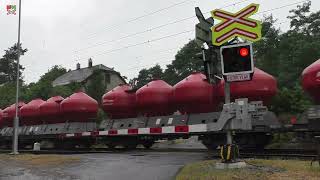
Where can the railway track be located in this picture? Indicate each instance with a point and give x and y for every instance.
(280, 153)
(103, 150)
(265, 154)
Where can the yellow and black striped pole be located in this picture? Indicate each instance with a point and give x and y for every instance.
(229, 153)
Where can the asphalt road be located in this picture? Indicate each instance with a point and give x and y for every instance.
(122, 166)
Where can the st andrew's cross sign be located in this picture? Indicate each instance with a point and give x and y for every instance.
(238, 24)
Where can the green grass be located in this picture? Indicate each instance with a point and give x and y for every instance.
(257, 169)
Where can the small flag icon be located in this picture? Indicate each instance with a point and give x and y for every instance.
(11, 9)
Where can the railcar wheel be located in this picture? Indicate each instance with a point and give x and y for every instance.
(111, 146)
(7, 145)
(65, 145)
(86, 144)
(148, 144)
(131, 146)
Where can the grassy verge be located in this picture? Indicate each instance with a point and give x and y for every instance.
(40, 160)
(256, 169)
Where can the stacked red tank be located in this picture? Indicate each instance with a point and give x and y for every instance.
(154, 99)
(191, 95)
(79, 107)
(120, 102)
(195, 95)
(311, 80)
(262, 87)
(50, 110)
(9, 114)
(30, 113)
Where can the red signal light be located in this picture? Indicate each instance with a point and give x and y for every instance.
(244, 52)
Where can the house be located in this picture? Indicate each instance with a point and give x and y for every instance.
(111, 78)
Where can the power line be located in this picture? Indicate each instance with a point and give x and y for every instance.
(233, 4)
(145, 42)
(146, 65)
(280, 7)
(152, 28)
(175, 22)
(141, 43)
(136, 67)
(160, 51)
(168, 50)
(142, 16)
(134, 34)
(41, 68)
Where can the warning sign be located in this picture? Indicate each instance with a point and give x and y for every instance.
(238, 24)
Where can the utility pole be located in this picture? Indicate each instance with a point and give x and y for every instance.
(16, 118)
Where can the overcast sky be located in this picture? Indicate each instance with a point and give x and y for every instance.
(64, 32)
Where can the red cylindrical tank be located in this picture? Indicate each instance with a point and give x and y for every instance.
(50, 110)
(154, 98)
(10, 112)
(120, 102)
(311, 80)
(195, 95)
(262, 87)
(30, 113)
(79, 107)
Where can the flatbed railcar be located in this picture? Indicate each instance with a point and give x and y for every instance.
(209, 127)
(252, 124)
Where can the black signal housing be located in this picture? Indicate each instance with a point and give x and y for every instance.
(237, 59)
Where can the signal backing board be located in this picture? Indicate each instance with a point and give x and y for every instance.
(237, 62)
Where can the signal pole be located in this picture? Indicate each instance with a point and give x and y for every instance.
(227, 101)
(16, 119)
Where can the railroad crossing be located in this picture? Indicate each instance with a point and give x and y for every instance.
(236, 58)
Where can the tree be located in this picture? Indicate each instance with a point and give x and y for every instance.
(147, 75)
(186, 62)
(291, 100)
(303, 21)
(8, 64)
(8, 75)
(7, 94)
(96, 86)
(267, 49)
(43, 88)
(286, 55)
(66, 90)
(300, 45)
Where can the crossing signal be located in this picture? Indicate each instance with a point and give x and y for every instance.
(237, 62)
(244, 52)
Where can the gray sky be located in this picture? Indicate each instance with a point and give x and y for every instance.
(64, 32)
